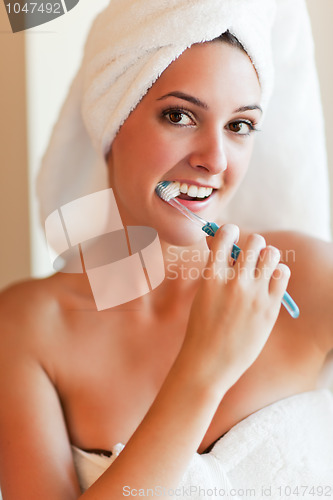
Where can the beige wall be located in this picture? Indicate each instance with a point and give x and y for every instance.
(53, 55)
(14, 219)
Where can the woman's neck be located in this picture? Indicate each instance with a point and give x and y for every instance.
(183, 269)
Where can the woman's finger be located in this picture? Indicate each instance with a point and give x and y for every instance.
(279, 281)
(268, 260)
(221, 246)
(247, 261)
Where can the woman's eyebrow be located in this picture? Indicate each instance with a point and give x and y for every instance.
(185, 97)
(201, 104)
(248, 108)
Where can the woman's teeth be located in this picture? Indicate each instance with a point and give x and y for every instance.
(194, 191)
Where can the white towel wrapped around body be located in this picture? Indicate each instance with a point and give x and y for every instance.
(130, 45)
(282, 449)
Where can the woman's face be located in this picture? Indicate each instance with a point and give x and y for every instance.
(195, 126)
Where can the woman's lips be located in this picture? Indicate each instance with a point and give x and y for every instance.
(190, 200)
(196, 205)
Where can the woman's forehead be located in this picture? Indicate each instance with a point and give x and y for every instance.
(209, 67)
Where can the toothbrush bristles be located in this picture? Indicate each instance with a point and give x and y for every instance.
(167, 190)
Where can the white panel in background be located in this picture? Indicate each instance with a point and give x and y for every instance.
(53, 53)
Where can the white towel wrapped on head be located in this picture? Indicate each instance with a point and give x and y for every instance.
(130, 44)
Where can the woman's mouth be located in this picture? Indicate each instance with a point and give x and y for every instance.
(193, 192)
(196, 197)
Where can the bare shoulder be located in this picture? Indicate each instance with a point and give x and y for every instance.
(309, 258)
(28, 311)
(37, 303)
(311, 284)
(304, 245)
(32, 417)
(20, 301)
(299, 250)
(33, 318)
(26, 308)
(28, 295)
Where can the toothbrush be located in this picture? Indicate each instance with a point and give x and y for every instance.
(168, 190)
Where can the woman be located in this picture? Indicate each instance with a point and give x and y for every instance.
(169, 373)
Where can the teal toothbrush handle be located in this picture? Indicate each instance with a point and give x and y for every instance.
(210, 228)
(290, 305)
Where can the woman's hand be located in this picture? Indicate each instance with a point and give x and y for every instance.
(235, 307)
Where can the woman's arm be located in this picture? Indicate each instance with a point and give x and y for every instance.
(229, 324)
(35, 454)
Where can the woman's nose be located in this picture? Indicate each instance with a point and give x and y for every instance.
(210, 153)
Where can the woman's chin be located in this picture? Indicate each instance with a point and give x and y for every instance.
(183, 235)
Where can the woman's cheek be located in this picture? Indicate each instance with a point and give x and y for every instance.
(234, 174)
(239, 162)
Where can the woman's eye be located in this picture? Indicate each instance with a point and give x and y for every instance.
(178, 117)
(241, 127)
